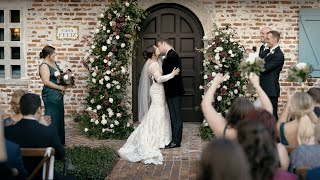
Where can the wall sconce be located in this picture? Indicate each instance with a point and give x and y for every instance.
(15, 34)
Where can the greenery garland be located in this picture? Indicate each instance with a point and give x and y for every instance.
(108, 107)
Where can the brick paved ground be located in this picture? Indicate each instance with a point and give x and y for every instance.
(179, 163)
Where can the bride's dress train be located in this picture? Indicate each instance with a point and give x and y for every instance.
(154, 131)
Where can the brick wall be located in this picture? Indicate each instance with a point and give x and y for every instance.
(43, 17)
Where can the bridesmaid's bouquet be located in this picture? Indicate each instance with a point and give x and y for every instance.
(299, 72)
(65, 78)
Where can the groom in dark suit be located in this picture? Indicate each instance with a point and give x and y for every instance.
(174, 90)
(269, 79)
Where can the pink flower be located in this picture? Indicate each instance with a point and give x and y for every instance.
(223, 91)
(121, 19)
(224, 54)
(232, 85)
(117, 31)
(218, 39)
(214, 46)
(106, 102)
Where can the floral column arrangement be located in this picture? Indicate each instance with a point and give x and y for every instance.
(108, 104)
(222, 54)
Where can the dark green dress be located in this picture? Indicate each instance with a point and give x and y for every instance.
(53, 104)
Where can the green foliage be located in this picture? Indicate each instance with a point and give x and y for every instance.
(90, 163)
(223, 54)
(299, 72)
(108, 60)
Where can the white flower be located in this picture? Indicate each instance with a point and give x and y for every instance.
(86, 129)
(108, 72)
(200, 87)
(104, 130)
(116, 122)
(118, 86)
(108, 85)
(123, 70)
(107, 78)
(110, 54)
(110, 100)
(104, 48)
(109, 63)
(219, 98)
(235, 91)
(123, 45)
(301, 65)
(111, 23)
(128, 124)
(219, 49)
(94, 80)
(118, 114)
(97, 30)
(205, 77)
(216, 33)
(105, 61)
(230, 51)
(96, 122)
(244, 87)
(205, 124)
(89, 109)
(111, 125)
(102, 15)
(204, 38)
(56, 73)
(66, 77)
(99, 107)
(92, 101)
(108, 41)
(216, 67)
(110, 113)
(225, 87)
(232, 55)
(226, 111)
(101, 81)
(127, 4)
(117, 36)
(94, 110)
(213, 74)
(228, 103)
(108, 31)
(93, 46)
(91, 60)
(104, 122)
(92, 120)
(217, 57)
(94, 74)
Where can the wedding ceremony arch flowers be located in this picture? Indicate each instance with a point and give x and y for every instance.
(222, 54)
(108, 59)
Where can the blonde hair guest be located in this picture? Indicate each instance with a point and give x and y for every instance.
(15, 107)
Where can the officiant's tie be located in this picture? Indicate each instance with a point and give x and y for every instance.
(263, 52)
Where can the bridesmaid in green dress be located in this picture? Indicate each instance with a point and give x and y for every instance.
(52, 93)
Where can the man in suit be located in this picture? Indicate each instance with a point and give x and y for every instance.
(274, 60)
(173, 89)
(264, 49)
(29, 133)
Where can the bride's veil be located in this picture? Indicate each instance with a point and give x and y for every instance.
(144, 98)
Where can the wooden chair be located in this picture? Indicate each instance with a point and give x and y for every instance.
(47, 162)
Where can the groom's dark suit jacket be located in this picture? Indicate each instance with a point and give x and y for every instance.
(269, 79)
(30, 133)
(173, 87)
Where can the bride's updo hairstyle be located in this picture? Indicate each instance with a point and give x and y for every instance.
(47, 51)
(148, 53)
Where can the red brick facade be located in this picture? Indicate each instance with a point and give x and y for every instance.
(42, 17)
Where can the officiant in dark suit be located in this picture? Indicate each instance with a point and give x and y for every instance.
(274, 60)
(264, 49)
(173, 89)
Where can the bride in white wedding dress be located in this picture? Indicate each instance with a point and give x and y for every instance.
(154, 131)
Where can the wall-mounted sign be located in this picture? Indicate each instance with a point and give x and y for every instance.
(68, 32)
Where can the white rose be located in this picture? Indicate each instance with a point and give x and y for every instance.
(123, 70)
(225, 87)
(110, 100)
(105, 61)
(111, 125)
(301, 65)
(104, 48)
(94, 80)
(56, 73)
(104, 122)
(205, 124)
(213, 74)
(93, 46)
(110, 54)
(205, 77)
(101, 81)
(94, 110)
(107, 78)
(92, 120)
(94, 74)
(235, 91)
(86, 129)
(128, 124)
(108, 31)
(216, 33)
(89, 109)
(200, 87)
(117, 36)
(104, 130)
(118, 114)
(127, 4)
(97, 30)
(116, 122)
(118, 86)
(109, 63)
(244, 87)
(204, 38)
(102, 15)
(226, 111)
(66, 77)
(99, 107)
(96, 122)
(232, 55)
(123, 45)
(108, 41)
(104, 28)
(91, 60)
(216, 67)
(230, 51)
(108, 85)
(229, 103)
(92, 101)
(108, 72)
(219, 98)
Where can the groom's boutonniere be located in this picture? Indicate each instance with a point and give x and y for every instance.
(163, 57)
(272, 51)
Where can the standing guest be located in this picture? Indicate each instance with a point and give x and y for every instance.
(223, 159)
(52, 93)
(264, 49)
(269, 78)
(173, 89)
(15, 107)
(315, 94)
(29, 133)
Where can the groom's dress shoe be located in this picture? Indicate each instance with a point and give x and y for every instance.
(172, 145)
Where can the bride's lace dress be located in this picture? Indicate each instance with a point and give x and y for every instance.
(154, 131)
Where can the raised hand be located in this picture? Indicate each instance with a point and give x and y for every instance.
(175, 71)
(254, 79)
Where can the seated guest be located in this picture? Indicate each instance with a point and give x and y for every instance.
(15, 159)
(226, 127)
(223, 159)
(307, 156)
(15, 107)
(315, 94)
(261, 151)
(313, 174)
(29, 133)
(269, 121)
(299, 107)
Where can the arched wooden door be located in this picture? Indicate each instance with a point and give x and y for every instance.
(181, 26)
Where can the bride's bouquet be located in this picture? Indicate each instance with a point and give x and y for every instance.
(65, 78)
(252, 64)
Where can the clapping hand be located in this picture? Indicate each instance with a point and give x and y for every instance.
(45, 120)
(175, 71)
